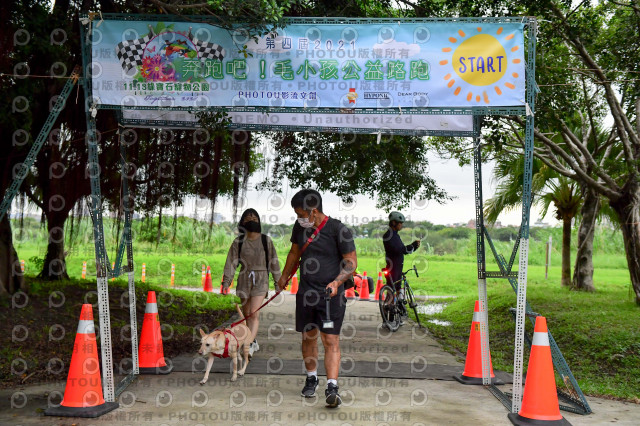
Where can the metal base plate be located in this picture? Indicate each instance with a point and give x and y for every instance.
(157, 370)
(476, 380)
(86, 412)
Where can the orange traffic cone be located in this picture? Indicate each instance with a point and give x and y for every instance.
(379, 285)
(208, 286)
(540, 397)
(472, 374)
(83, 395)
(150, 351)
(364, 288)
(294, 284)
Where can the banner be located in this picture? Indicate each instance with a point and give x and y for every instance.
(413, 123)
(323, 65)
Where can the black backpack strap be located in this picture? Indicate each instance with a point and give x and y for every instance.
(266, 252)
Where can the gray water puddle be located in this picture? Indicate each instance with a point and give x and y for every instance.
(431, 309)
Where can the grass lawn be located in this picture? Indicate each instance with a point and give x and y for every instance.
(598, 333)
(44, 328)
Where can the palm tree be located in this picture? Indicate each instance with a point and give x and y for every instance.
(547, 187)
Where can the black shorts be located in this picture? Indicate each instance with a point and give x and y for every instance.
(311, 311)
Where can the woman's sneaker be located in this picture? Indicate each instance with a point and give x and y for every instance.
(253, 347)
(333, 398)
(310, 385)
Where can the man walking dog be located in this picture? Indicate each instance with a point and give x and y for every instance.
(326, 253)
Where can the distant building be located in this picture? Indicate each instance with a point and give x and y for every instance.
(540, 224)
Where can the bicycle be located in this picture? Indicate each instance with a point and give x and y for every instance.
(392, 307)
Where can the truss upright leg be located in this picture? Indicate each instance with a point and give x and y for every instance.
(526, 212)
(98, 230)
(480, 254)
(127, 202)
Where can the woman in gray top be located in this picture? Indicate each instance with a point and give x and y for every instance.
(257, 256)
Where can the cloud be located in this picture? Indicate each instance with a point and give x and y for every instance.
(392, 48)
(261, 45)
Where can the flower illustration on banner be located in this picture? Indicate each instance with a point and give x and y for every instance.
(157, 68)
(480, 63)
(167, 55)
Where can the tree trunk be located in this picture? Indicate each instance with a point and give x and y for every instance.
(55, 266)
(11, 277)
(583, 270)
(628, 210)
(159, 228)
(566, 251)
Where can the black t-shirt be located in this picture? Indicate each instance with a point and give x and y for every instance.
(322, 260)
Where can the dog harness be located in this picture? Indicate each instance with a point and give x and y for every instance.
(225, 353)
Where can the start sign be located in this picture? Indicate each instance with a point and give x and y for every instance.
(310, 63)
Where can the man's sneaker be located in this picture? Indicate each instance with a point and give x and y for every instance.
(310, 385)
(333, 398)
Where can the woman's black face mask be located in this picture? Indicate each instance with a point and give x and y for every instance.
(252, 226)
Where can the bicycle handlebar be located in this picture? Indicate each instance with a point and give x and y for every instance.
(414, 269)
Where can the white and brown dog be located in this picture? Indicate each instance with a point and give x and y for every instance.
(227, 343)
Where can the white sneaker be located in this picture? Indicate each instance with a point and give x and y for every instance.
(253, 347)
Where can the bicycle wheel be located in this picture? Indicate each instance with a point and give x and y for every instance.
(411, 301)
(388, 308)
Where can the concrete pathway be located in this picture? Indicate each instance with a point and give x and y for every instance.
(274, 399)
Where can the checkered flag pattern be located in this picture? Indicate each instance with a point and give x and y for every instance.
(130, 51)
(208, 50)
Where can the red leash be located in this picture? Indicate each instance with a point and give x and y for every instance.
(293, 272)
(252, 313)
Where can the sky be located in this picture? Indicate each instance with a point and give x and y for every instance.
(276, 208)
(456, 180)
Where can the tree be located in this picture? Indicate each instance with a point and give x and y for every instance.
(597, 37)
(50, 36)
(548, 188)
(588, 61)
(395, 171)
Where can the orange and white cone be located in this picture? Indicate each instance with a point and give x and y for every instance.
(472, 374)
(294, 285)
(84, 270)
(540, 398)
(379, 285)
(208, 286)
(144, 272)
(204, 275)
(150, 351)
(83, 394)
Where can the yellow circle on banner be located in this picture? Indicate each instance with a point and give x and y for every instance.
(480, 60)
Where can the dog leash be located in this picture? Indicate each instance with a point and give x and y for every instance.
(293, 272)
